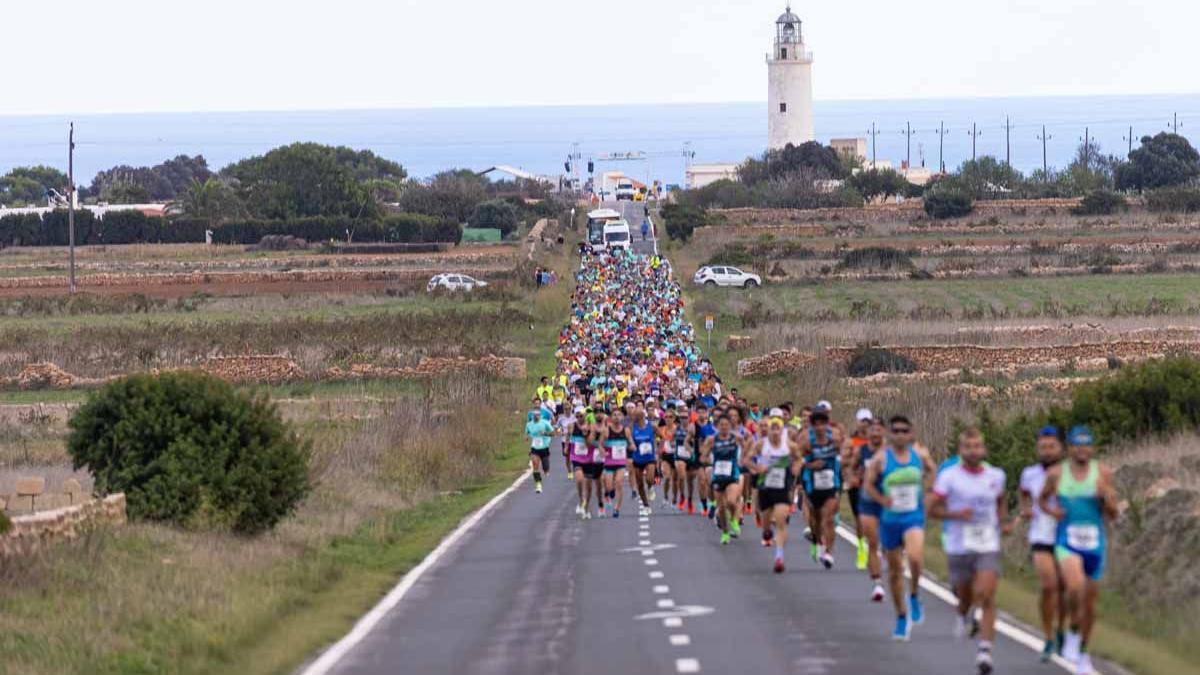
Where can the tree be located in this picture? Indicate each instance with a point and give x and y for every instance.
(162, 182)
(497, 214)
(209, 200)
(811, 158)
(948, 202)
(450, 194)
(681, 221)
(299, 180)
(1162, 160)
(878, 183)
(984, 177)
(28, 185)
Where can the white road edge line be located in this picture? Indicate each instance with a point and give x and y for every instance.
(330, 657)
(1016, 633)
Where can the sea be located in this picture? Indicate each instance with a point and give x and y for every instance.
(663, 137)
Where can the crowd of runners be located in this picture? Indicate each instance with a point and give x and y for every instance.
(636, 408)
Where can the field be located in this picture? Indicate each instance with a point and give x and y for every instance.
(406, 439)
(1006, 311)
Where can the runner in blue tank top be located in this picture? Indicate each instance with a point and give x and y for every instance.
(724, 451)
(821, 477)
(869, 511)
(643, 457)
(1086, 502)
(905, 472)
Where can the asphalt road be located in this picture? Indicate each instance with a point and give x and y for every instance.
(533, 589)
(634, 213)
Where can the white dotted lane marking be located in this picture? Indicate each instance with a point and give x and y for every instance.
(672, 622)
(687, 666)
(679, 640)
(643, 542)
(647, 553)
(643, 519)
(656, 574)
(662, 589)
(651, 561)
(666, 604)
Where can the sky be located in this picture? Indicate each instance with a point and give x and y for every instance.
(168, 55)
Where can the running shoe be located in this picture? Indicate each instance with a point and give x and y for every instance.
(712, 511)
(1047, 651)
(960, 627)
(808, 534)
(537, 487)
(747, 509)
(587, 515)
(827, 560)
(601, 514)
(860, 562)
(915, 609)
(1072, 647)
(653, 495)
(877, 593)
(735, 527)
(974, 632)
(691, 508)
(1084, 665)
(616, 513)
(903, 630)
(778, 565)
(983, 661)
(579, 510)
(570, 476)
(814, 552)
(757, 519)
(724, 538)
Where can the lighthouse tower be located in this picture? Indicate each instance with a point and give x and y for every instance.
(789, 85)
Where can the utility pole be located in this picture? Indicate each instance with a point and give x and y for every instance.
(1175, 123)
(941, 132)
(908, 134)
(874, 133)
(1007, 141)
(71, 202)
(1045, 167)
(974, 133)
(1086, 148)
(1129, 138)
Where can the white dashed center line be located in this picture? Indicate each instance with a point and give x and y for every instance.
(680, 640)
(687, 665)
(656, 574)
(666, 604)
(672, 622)
(651, 561)
(661, 589)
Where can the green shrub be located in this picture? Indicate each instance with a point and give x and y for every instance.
(736, 253)
(495, 214)
(190, 449)
(1100, 203)
(869, 360)
(5, 523)
(948, 203)
(681, 221)
(875, 258)
(1173, 200)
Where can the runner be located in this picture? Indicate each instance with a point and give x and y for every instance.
(617, 441)
(702, 430)
(773, 460)
(590, 468)
(852, 463)
(566, 423)
(723, 450)
(642, 436)
(539, 431)
(1042, 531)
(869, 510)
(897, 479)
(969, 497)
(665, 434)
(1083, 488)
(821, 477)
(687, 460)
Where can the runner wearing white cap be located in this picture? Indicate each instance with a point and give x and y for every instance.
(854, 463)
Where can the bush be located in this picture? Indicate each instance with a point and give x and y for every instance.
(1100, 203)
(1173, 200)
(869, 360)
(681, 221)
(495, 214)
(402, 228)
(875, 258)
(941, 204)
(189, 449)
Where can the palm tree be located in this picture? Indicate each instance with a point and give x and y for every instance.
(209, 200)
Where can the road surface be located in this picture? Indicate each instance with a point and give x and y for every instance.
(532, 589)
(634, 213)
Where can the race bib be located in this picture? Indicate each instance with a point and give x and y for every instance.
(1043, 529)
(541, 442)
(904, 498)
(618, 452)
(823, 479)
(1083, 537)
(723, 468)
(776, 478)
(683, 452)
(646, 449)
(579, 449)
(598, 456)
(981, 538)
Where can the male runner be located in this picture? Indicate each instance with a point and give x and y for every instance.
(1086, 502)
(687, 460)
(723, 449)
(822, 478)
(665, 441)
(904, 471)
(539, 431)
(1042, 531)
(773, 459)
(642, 438)
(852, 464)
(869, 510)
(701, 430)
(970, 498)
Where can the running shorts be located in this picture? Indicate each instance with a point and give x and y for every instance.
(614, 468)
(1093, 561)
(592, 471)
(891, 533)
(1041, 548)
(868, 506)
(720, 485)
(643, 463)
(963, 567)
(542, 453)
(769, 498)
(852, 495)
(818, 497)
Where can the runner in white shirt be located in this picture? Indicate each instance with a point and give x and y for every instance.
(969, 496)
(1042, 531)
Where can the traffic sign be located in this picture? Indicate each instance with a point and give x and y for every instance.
(708, 322)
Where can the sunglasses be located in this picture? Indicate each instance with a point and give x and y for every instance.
(901, 430)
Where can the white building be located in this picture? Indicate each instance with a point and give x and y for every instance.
(789, 85)
(700, 175)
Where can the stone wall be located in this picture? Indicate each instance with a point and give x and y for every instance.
(32, 532)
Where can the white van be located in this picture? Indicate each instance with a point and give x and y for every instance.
(616, 235)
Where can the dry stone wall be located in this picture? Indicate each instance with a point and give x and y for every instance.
(33, 532)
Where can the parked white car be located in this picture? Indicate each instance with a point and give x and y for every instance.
(454, 282)
(720, 275)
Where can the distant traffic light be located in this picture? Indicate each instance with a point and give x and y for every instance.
(591, 166)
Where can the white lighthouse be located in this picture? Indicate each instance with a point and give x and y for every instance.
(789, 85)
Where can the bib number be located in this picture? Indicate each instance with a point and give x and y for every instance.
(981, 538)
(598, 456)
(723, 468)
(823, 479)
(904, 498)
(683, 452)
(618, 452)
(579, 449)
(776, 478)
(645, 449)
(1083, 537)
